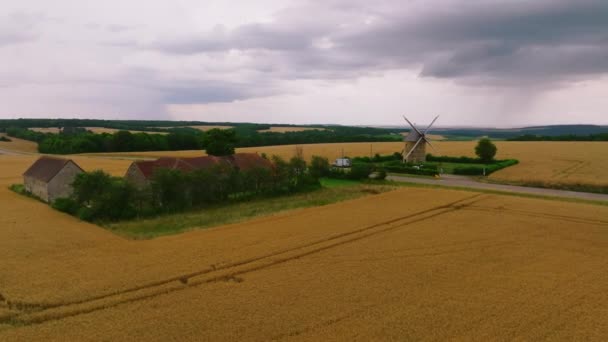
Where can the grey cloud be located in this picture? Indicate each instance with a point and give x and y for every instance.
(19, 27)
(247, 37)
(209, 92)
(192, 91)
(485, 42)
(542, 41)
(118, 28)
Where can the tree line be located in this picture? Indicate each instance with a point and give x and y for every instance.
(75, 140)
(98, 196)
(566, 137)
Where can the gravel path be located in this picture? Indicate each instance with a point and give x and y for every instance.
(466, 182)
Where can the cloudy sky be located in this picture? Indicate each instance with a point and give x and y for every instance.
(484, 63)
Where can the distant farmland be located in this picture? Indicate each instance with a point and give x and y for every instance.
(542, 162)
(284, 129)
(98, 130)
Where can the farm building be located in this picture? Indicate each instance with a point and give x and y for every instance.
(140, 172)
(342, 162)
(51, 178)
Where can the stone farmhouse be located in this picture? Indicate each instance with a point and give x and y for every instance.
(140, 172)
(51, 178)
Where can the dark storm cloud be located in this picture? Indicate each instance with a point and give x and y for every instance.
(485, 42)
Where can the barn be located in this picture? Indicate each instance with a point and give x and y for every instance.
(140, 172)
(51, 178)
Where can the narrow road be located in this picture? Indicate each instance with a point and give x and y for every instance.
(466, 182)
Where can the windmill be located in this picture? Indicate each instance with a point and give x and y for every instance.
(415, 143)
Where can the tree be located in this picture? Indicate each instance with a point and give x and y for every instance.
(319, 167)
(99, 196)
(88, 185)
(122, 141)
(170, 190)
(220, 142)
(360, 171)
(485, 150)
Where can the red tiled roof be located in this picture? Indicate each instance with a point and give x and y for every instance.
(45, 168)
(240, 161)
(248, 161)
(148, 167)
(204, 162)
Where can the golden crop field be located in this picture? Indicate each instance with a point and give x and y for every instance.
(545, 161)
(541, 161)
(98, 130)
(409, 264)
(17, 145)
(204, 127)
(285, 129)
(54, 130)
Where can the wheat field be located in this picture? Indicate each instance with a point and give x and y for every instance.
(17, 145)
(544, 161)
(97, 130)
(404, 265)
(285, 129)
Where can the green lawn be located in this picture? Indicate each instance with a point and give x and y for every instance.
(332, 192)
(332, 182)
(449, 167)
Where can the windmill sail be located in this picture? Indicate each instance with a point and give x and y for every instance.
(415, 143)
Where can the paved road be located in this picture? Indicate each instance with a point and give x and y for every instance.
(462, 181)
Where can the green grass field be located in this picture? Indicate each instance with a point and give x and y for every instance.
(449, 167)
(332, 183)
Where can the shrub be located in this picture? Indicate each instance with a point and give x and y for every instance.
(380, 174)
(3, 138)
(360, 171)
(18, 188)
(379, 158)
(489, 168)
(411, 170)
(66, 205)
(448, 159)
(319, 167)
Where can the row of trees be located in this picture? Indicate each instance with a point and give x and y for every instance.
(217, 142)
(566, 137)
(98, 196)
(214, 141)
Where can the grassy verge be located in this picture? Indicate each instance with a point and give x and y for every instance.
(495, 192)
(449, 167)
(580, 187)
(333, 182)
(238, 212)
(20, 189)
(410, 175)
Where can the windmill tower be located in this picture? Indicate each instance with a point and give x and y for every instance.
(415, 143)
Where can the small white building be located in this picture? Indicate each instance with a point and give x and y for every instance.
(342, 162)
